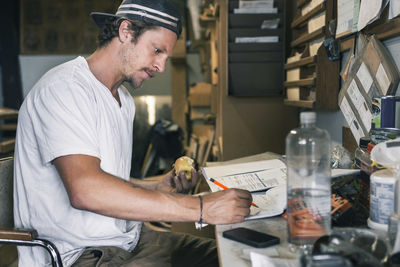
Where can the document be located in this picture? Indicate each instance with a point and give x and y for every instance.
(370, 10)
(258, 39)
(265, 179)
(256, 4)
(254, 176)
(347, 16)
(394, 9)
(272, 10)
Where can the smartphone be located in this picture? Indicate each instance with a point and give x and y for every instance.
(251, 237)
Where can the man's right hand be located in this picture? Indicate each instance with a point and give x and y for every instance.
(227, 206)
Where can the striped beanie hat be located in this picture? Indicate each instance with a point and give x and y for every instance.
(158, 12)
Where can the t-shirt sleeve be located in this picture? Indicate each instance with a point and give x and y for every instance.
(64, 121)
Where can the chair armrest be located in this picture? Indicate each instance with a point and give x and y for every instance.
(18, 234)
(29, 237)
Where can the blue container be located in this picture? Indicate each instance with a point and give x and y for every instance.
(390, 112)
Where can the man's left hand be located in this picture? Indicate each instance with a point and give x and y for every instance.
(178, 183)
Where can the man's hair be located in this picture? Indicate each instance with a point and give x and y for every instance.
(111, 30)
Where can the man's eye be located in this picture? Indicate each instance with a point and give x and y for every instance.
(157, 51)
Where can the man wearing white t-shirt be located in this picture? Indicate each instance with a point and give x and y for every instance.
(73, 154)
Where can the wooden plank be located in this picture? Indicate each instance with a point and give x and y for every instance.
(8, 113)
(299, 103)
(301, 21)
(14, 234)
(302, 82)
(302, 62)
(7, 146)
(346, 44)
(328, 81)
(387, 30)
(308, 37)
(8, 127)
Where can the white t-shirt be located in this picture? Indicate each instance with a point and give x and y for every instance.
(69, 111)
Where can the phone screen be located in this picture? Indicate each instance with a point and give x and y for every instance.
(251, 237)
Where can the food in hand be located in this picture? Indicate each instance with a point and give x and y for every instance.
(184, 164)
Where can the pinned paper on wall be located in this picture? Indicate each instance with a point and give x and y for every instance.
(370, 10)
(394, 9)
(365, 77)
(351, 119)
(382, 79)
(347, 16)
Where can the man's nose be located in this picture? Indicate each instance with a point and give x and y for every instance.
(161, 63)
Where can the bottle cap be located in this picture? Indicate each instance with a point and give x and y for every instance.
(308, 117)
(364, 141)
(370, 147)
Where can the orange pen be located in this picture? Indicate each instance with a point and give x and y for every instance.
(224, 187)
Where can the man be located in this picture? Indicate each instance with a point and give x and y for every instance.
(73, 154)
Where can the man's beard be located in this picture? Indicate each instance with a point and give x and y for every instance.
(136, 84)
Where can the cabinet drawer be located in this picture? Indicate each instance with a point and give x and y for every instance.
(254, 47)
(256, 57)
(252, 20)
(255, 79)
(233, 33)
(235, 4)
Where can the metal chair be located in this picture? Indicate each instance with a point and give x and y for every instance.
(18, 237)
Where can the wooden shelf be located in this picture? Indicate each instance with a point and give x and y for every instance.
(301, 3)
(387, 30)
(204, 18)
(8, 113)
(304, 19)
(307, 61)
(8, 127)
(303, 82)
(323, 87)
(7, 145)
(308, 37)
(300, 103)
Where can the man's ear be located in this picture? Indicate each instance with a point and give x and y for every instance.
(124, 31)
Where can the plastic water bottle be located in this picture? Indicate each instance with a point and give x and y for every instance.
(309, 183)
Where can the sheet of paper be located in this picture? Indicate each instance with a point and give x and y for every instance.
(370, 11)
(270, 24)
(382, 79)
(260, 260)
(256, 4)
(365, 77)
(271, 203)
(347, 16)
(252, 176)
(394, 9)
(351, 119)
(273, 10)
(355, 95)
(259, 39)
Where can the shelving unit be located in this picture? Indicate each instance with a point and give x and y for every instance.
(255, 69)
(318, 78)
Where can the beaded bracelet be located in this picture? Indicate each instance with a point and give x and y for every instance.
(201, 212)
